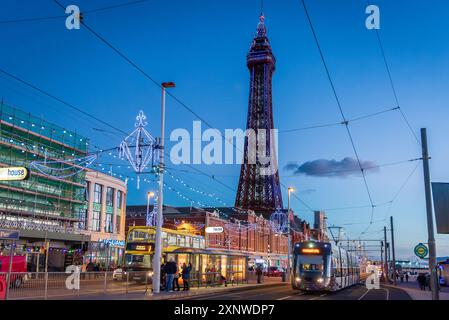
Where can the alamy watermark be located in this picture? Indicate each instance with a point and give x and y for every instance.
(261, 147)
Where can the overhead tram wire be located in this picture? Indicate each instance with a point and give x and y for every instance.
(393, 88)
(46, 93)
(138, 68)
(323, 60)
(333, 124)
(36, 19)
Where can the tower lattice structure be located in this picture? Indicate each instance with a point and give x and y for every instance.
(256, 191)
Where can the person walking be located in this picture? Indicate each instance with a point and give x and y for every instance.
(176, 279)
(186, 276)
(402, 277)
(170, 270)
(421, 281)
(406, 277)
(259, 274)
(90, 268)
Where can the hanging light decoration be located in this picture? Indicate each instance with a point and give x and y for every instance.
(279, 221)
(64, 168)
(146, 148)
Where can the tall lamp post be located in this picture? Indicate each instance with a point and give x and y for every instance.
(158, 245)
(289, 251)
(149, 196)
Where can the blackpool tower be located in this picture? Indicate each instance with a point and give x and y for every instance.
(259, 191)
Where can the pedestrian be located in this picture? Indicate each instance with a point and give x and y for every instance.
(186, 276)
(170, 270)
(421, 281)
(259, 274)
(402, 277)
(176, 279)
(427, 279)
(406, 277)
(90, 268)
(163, 277)
(97, 269)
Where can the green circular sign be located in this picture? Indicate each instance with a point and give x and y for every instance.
(421, 251)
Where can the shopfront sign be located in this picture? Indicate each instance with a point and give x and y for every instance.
(6, 234)
(214, 230)
(114, 243)
(14, 173)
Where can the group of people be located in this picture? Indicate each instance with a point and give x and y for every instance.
(423, 281)
(170, 273)
(402, 275)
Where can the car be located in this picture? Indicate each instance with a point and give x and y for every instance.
(117, 274)
(274, 272)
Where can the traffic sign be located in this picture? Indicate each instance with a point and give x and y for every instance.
(6, 234)
(14, 173)
(421, 251)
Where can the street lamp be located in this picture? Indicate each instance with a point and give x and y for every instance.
(158, 245)
(289, 251)
(149, 196)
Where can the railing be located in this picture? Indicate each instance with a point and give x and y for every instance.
(62, 285)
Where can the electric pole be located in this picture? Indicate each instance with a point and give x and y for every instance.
(392, 250)
(431, 238)
(386, 253)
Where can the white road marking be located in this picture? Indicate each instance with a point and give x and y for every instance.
(363, 295)
(284, 298)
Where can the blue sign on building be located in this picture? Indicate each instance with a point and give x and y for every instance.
(6, 234)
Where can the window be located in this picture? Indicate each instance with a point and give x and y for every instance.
(119, 199)
(98, 189)
(86, 191)
(108, 227)
(96, 220)
(82, 217)
(110, 197)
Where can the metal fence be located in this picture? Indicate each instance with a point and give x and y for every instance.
(62, 285)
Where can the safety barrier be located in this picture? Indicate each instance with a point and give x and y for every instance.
(62, 285)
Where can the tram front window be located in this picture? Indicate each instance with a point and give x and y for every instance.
(138, 262)
(311, 265)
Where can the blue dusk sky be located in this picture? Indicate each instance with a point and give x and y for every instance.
(202, 46)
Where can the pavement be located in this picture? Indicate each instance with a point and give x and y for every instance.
(285, 292)
(201, 293)
(416, 293)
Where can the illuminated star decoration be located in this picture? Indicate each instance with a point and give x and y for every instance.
(144, 145)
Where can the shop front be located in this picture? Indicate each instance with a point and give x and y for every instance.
(107, 253)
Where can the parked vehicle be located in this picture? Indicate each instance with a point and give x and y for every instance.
(18, 270)
(117, 274)
(274, 272)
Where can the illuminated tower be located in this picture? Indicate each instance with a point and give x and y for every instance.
(261, 193)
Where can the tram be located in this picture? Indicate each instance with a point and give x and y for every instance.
(183, 247)
(322, 266)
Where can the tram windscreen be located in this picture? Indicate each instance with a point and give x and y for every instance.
(310, 264)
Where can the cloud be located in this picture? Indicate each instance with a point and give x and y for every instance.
(331, 168)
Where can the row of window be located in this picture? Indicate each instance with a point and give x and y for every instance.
(98, 195)
(109, 222)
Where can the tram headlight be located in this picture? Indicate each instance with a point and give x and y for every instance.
(320, 280)
(150, 274)
(298, 279)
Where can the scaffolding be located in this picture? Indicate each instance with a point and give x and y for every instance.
(41, 200)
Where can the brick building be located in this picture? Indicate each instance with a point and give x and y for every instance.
(242, 231)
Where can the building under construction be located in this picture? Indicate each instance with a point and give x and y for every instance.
(51, 203)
